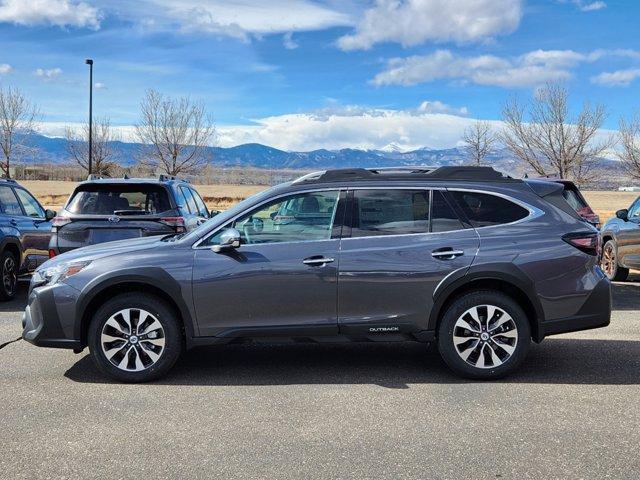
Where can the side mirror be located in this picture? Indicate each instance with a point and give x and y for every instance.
(623, 214)
(49, 214)
(213, 213)
(229, 239)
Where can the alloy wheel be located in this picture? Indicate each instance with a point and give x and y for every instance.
(9, 276)
(485, 336)
(609, 260)
(132, 339)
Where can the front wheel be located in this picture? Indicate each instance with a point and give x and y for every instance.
(609, 263)
(9, 273)
(135, 337)
(484, 335)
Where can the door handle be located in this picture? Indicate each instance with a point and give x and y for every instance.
(317, 261)
(13, 222)
(446, 254)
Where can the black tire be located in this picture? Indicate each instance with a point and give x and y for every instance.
(610, 265)
(8, 276)
(518, 327)
(170, 330)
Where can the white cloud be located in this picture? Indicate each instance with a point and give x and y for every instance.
(617, 78)
(531, 69)
(5, 68)
(413, 22)
(99, 86)
(589, 6)
(231, 18)
(437, 106)
(61, 13)
(288, 42)
(48, 74)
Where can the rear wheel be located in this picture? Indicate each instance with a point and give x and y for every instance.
(9, 275)
(135, 337)
(609, 263)
(484, 335)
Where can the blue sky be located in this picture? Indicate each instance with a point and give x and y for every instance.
(308, 74)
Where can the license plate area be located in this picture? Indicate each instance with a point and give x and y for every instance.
(101, 235)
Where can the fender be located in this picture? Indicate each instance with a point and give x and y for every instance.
(12, 240)
(501, 271)
(153, 276)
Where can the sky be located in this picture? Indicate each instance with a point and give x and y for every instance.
(302, 75)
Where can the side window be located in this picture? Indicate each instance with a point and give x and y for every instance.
(9, 202)
(298, 218)
(181, 201)
(483, 209)
(443, 218)
(191, 203)
(202, 208)
(634, 211)
(390, 212)
(30, 204)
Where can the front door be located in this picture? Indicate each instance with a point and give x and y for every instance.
(395, 257)
(283, 278)
(628, 238)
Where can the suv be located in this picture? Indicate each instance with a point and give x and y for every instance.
(24, 235)
(479, 263)
(621, 238)
(102, 210)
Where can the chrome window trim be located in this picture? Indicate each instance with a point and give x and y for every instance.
(533, 211)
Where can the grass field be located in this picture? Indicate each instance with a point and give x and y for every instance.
(219, 197)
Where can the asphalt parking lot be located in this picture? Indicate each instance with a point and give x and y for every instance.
(328, 411)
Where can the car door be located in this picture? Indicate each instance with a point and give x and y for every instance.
(628, 238)
(36, 230)
(402, 243)
(283, 278)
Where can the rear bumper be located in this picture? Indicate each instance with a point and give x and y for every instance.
(595, 313)
(48, 319)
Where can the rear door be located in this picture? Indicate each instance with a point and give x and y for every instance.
(402, 243)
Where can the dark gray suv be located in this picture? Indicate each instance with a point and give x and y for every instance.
(463, 256)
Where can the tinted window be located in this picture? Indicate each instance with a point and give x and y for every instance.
(302, 217)
(443, 218)
(180, 199)
(573, 198)
(202, 208)
(105, 199)
(390, 212)
(9, 202)
(30, 204)
(191, 203)
(634, 211)
(484, 210)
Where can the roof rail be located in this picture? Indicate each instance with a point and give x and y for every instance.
(468, 173)
(10, 180)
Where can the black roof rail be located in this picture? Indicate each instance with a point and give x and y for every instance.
(468, 173)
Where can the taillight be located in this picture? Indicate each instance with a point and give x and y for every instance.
(52, 253)
(58, 222)
(588, 242)
(175, 222)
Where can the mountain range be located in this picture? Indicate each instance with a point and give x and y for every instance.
(54, 150)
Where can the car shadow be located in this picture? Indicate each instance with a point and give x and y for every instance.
(397, 366)
(18, 303)
(626, 295)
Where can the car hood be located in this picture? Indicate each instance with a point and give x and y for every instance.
(100, 250)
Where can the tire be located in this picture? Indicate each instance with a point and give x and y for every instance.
(8, 276)
(135, 337)
(609, 263)
(485, 355)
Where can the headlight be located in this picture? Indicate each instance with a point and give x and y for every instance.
(57, 273)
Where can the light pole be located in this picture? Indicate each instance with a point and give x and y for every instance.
(89, 62)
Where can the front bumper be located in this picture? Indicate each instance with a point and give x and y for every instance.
(594, 313)
(49, 318)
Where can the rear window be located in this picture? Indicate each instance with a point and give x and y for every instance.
(573, 199)
(101, 199)
(484, 210)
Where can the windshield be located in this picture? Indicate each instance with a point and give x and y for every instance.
(109, 199)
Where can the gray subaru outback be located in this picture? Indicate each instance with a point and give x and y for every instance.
(480, 263)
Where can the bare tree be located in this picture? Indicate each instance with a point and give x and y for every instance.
(629, 154)
(548, 140)
(103, 155)
(174, 133)
(17, 122)
(479, 140)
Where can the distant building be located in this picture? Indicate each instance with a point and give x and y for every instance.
(629, 189)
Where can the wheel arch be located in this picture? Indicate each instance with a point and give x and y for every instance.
(13, 245)
(505, 278)
(157, 283)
